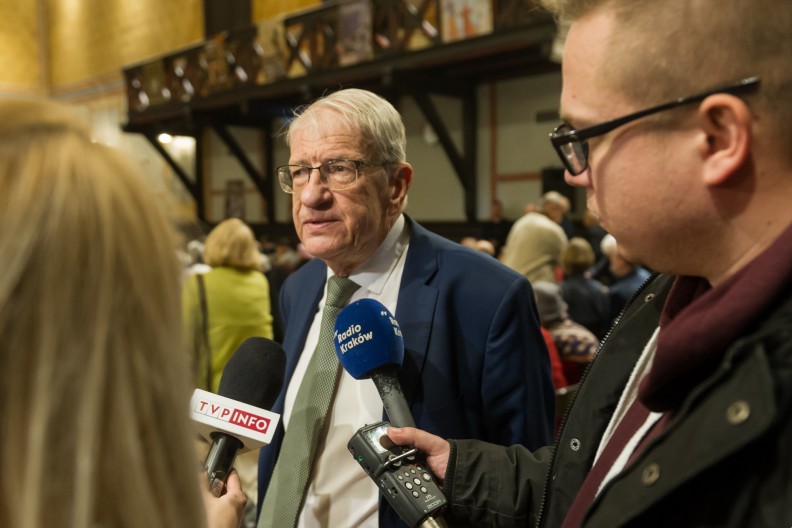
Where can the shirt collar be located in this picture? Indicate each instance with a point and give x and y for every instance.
(373, 274)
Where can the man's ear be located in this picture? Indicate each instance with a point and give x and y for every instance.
(402, 179)
(726, 122)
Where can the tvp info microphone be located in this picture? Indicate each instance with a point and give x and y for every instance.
(236, 418)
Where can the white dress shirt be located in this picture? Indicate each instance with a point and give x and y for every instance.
(337, 475)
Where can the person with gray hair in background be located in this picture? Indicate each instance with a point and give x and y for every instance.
(677, 122)
(475, 360)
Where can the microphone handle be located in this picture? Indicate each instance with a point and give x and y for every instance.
(433, 522)
(220, 459)
(390, 392)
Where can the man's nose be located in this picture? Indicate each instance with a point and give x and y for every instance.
(315, 189)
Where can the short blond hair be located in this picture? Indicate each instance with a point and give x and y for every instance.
(93, 379)
(578, 256)
(232, 244)
(665, 49)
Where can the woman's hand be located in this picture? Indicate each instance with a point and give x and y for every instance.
(228, 510)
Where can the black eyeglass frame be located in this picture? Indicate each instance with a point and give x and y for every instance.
(582, 135)
(285, 169)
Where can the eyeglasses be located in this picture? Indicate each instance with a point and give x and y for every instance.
(572, 145)
(338, 174)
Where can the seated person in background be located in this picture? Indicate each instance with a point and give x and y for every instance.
(576, 345)
(586, 298)
(95, 383)
(627, 277)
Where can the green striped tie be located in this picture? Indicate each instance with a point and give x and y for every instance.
(286, 491)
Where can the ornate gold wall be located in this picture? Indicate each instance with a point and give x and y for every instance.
(20, 60)
(90, 39)
(270, 8)
(58, 46)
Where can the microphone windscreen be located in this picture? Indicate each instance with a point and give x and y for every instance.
(254, 374)
(367, 337)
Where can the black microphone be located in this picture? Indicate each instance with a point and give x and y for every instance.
(236, 418)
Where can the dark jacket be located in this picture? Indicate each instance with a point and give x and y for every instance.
(475, 363)
(588, 303)
(723, 460)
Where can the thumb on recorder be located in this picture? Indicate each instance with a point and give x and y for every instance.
(436, 449)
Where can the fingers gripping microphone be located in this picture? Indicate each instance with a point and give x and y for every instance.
(369, 344)
(235, 419)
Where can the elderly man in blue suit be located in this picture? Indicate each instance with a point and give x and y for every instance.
(475, 362)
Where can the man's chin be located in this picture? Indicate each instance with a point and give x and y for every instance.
(319, 246)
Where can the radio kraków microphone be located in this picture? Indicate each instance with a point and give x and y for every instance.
(369, 344)
(236, 418)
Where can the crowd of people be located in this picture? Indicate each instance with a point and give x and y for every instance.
(680, 138)
(580, 278)
(683, 374)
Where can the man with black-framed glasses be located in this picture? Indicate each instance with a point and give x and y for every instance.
(678, 123)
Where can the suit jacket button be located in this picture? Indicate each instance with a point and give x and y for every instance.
(650, 474)
(738, 412)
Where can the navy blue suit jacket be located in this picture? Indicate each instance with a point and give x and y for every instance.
(475, 363)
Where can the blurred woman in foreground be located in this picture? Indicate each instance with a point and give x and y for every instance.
(94, 382)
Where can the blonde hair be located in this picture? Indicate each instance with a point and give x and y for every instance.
(664, 49)
(94, 384)
(578, 256)
(232, 244)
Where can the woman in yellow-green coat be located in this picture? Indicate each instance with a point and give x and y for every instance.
(234, 303)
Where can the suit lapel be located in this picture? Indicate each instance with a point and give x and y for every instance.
(415, 308)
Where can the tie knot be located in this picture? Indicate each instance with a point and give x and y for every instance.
(339, 290)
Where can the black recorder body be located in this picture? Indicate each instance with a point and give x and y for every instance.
(400, 472)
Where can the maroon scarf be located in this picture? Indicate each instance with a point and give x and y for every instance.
(699, 323)
(697, 326)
